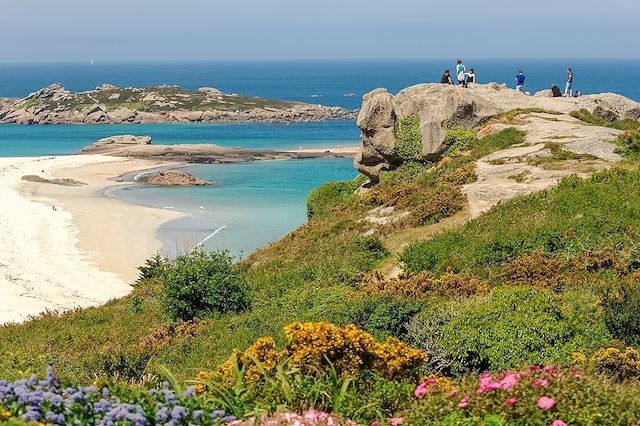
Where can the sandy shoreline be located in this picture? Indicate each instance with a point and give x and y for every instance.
(86, 251)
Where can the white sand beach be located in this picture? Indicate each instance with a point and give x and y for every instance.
(83, 253)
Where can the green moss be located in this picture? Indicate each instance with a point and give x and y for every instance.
(408, 138)
(31, 103)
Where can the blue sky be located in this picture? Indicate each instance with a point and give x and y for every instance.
(113, 30)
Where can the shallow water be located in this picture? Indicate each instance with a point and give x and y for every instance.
(257, 203)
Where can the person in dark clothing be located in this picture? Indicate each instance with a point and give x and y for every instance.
(471, 76)
(556, 91)
(520, 81)
(446, 78)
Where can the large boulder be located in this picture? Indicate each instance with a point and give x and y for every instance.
(438, 106)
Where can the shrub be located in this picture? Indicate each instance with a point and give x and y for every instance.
(383, 316)
(629, 144)
(322, 200)
(458, 140)
(200, 284)
(372, 245)
(621, 364)
(408, 138)
(513, 327)
(316, 347)
(424, 285)
(154, 267)
(536, 269)
(621, 305)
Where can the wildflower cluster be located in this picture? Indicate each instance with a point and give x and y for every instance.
(534, 392)
(308, 418)
(46, 402)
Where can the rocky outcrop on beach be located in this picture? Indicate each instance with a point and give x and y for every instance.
(439, 106)
(173, 178)
(161, 104)
(142, 147)
(62, 182)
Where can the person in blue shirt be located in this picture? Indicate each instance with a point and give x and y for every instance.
(520, 81)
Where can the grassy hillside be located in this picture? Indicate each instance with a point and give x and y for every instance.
(548, 279)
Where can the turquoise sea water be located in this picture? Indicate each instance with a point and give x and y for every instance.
(260, 202)
(256, 203)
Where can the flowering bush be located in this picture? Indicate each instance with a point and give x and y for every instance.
(544, 396)
(622, 364)
(313, 347)
(45, 401)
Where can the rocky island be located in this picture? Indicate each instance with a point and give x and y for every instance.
(109, 104)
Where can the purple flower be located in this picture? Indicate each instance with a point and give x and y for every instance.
(178, 413)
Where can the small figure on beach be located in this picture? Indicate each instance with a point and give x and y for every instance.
(460, 73)
(471, 76)
(555, 90)
(568, 90)
(520, 78)
(446, 78)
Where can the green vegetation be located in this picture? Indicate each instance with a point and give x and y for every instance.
(321, 200)
(319, 320)
(31, 102)
(605, 118)
(511, 117)
(458, 140)
(200, 284)
(408, 138)
(629, 144)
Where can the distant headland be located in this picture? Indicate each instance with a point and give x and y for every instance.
(109, 104)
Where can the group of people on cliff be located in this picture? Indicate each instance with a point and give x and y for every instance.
(464, 78)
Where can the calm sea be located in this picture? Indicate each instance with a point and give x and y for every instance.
(258, 203)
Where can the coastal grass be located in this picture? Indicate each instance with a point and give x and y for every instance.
(577, 216)
(603, 118)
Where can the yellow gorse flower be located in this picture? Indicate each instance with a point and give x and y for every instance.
(311, 347)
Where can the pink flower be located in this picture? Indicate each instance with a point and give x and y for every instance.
(509, 381)
(420, 391)
(396, 421)
(550, 369)
(535, 369)
(429, 382)
(546, 403)
(453, 392)
(464, 402)
(558, 422)
(511, 401)
(375, 423)
(540, 383)
(577, 374)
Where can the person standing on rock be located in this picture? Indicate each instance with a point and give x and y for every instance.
(446, 78)
(460, 73)
(520, 78)
(568, 90)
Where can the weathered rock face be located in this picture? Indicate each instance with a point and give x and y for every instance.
(438, 106)
(173, 178)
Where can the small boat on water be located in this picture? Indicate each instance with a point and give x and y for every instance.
(350, 95)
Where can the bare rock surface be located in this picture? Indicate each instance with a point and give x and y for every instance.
(528, 168)
(438, 105)
(173, 178)
(63, 182)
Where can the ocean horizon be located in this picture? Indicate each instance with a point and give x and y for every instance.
(259, 203)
